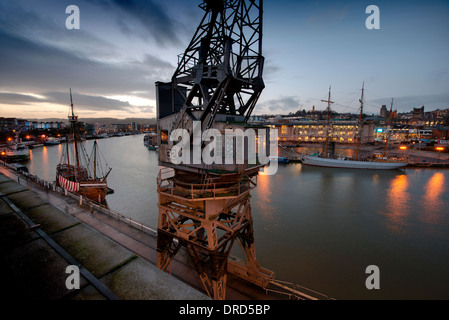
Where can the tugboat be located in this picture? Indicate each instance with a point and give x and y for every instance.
(77, 172)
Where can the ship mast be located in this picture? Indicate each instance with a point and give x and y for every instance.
(73, 121)
(329, 102)
(68, 154)
(359, 134)
(388, 128)
(95, 160)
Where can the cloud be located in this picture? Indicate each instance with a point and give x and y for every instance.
(22, 21)
(40, 56)
(17, 98)
(280, 105)
(28, 66)
(82, 101)
(406, 103)
(144, 109)
(271, 69)
(144, 18)
(156, 64)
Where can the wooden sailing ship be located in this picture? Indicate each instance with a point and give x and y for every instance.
(77, 171)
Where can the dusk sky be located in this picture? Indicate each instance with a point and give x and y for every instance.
(123, 47)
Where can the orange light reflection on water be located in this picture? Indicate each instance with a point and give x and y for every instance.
(263, 187)
(432, 199)
(45, 161)
(264, 190)
(397, 203)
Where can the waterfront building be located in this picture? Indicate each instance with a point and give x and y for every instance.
(8, 124)
(119, 127)
(383, 112)
(11, 124)
(132, 126)
(309, 131)
(90, 129)
(418, 113)
(398, 133)
(441, 133)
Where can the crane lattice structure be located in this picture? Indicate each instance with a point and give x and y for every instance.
(204, 208)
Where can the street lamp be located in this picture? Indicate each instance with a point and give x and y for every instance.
(403, 148)
(439, 149)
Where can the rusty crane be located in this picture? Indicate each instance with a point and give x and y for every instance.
(205, 208)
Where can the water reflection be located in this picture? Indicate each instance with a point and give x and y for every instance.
(397, 208)
(306, 219)
(264, 191)
(45, 164)
(263, 187)
(433, 203)
(30, 164)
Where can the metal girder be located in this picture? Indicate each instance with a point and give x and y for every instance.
(208, 230)
(224, 55)
(220, 73)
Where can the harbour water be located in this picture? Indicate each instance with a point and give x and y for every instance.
(317, 227)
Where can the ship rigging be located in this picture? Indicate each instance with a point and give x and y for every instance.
(77, 171)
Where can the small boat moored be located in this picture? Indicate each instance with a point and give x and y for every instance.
(52, 141)
(278, 159)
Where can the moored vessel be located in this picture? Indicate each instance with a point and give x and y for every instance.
(278, 159)
(375, 163)
(78, 172)
(52, 141)
(16, 151)
(150, 141)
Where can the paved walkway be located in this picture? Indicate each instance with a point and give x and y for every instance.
(66, 221)
(32, 269)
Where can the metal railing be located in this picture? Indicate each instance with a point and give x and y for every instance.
(51, 186)
(200, 191)
(295, 291)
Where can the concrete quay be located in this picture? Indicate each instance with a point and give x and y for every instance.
(33, 269)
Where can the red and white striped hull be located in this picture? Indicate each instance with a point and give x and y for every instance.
(94, 190)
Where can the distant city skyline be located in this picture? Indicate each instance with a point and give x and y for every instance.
(123, 47)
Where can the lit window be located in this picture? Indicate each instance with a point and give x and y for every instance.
(284, 130)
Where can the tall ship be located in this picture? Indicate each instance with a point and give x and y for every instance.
(79, 172)
(326, 159)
